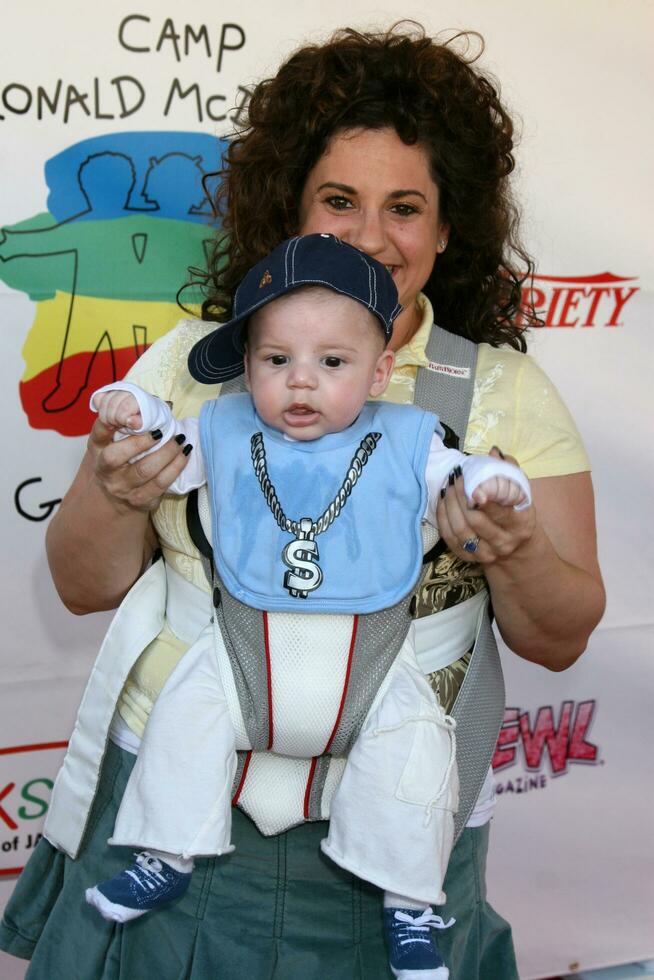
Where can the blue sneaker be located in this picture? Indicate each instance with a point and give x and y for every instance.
(146, 884)
(412, 949)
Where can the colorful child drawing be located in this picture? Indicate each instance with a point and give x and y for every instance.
(127, 217)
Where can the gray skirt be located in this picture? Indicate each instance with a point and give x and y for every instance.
(274, 909)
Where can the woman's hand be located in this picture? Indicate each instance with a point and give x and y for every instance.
(141, 484)
(483, 533)
(101, 539)
(540, 563)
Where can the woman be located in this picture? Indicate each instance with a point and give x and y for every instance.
(397, 145)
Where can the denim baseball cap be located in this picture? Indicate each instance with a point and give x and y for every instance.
(306, 260)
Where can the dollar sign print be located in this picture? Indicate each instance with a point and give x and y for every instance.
(301, 556)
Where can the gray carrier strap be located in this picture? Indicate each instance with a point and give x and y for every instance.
(479, 712)
(479, 707)
(448, 391)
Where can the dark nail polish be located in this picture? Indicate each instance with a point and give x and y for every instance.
(442, 492)
(180, 439)
(450, 479)
(187, 448)
(157, 434)
(458, 471)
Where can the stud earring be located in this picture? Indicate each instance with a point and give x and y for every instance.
(442, 244)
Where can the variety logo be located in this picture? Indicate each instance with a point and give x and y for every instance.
(580, 301)
(545, 746)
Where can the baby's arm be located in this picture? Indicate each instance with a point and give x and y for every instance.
(485, 479)
(130, 410)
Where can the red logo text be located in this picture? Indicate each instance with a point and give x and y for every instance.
(561, 740)
(579, 301)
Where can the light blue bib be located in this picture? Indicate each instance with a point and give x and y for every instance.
(329, 525)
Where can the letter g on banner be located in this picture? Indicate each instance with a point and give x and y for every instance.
(46, 507)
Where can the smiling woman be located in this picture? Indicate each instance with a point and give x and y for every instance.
(424, 120)
(401, 227)
(399, 145)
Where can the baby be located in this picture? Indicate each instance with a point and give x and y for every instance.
(305, 454)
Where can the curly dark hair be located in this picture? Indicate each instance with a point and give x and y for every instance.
(432, 97)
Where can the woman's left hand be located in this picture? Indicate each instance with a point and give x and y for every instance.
(540, 564)
(490, 531)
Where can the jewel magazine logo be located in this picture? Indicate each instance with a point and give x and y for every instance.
(580, 301)
(543, 745)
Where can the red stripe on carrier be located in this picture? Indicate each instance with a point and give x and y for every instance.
(243, 775)
(266, 643)
(307, 792)
(346, 683)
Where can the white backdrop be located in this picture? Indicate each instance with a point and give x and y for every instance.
(572, 851)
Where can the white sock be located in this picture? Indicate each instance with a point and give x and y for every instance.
(183, 865)
(393, 901)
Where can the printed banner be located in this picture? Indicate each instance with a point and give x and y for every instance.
(27, 775)
(572, 842)
(111, 129)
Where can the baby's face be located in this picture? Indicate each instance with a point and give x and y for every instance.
(313, 358)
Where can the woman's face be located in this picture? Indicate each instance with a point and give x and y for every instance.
(372, 190)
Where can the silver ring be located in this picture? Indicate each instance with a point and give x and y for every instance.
(470, 545)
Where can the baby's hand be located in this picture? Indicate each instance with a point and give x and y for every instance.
(499, 490)
(118, 409)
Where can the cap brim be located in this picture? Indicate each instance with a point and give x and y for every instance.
(217, 358)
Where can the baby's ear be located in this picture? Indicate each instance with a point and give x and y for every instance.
(383, 372)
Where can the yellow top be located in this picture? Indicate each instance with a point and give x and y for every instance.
(515, 406)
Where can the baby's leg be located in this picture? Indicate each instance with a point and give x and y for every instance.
(177, 802)
(412, 947)
(392, 815)
(178, 797)
(152, 880)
